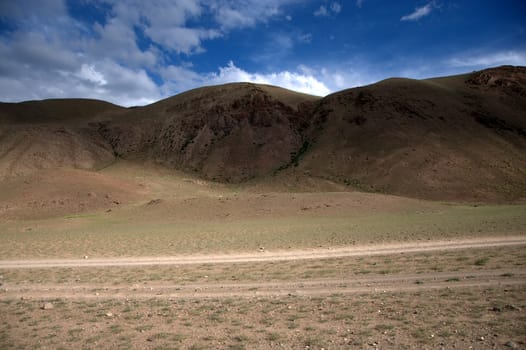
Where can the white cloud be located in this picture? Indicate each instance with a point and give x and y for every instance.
(181, 39)
(88, 72)
(305, 38)
(181, 78)
(46, 8)
(101, 80)
(247, 13)
(296, 81)
(324, 11)
(336, 7)
(419, 12)
(477, 60)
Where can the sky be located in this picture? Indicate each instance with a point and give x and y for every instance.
(135, 52)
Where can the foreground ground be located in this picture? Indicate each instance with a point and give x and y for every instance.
(147, 258)
(454, 295)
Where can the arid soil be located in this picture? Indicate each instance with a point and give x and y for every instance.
(465, 294)
(247, 216)
(263, 256)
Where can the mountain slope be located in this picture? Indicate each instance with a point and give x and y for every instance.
(47, 134)
(230, 133)
(451, 138)
(454, 138)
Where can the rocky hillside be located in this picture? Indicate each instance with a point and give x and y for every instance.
(452, 138)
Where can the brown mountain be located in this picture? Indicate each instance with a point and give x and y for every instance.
(461, 137)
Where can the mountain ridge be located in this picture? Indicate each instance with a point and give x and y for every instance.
(449, 138)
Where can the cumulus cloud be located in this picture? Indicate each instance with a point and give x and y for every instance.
(59, 56)
(477, 60)
(296, 81)
(300, 80)
(88, 72)
(322, 11)
(102, 80)
(240, 14)
(419, 12)
(336, 7)
(326, 11)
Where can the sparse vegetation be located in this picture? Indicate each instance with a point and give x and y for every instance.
(132, 208)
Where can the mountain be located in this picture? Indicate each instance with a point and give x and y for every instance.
(47, 134)
(453, 138)
(461, 137)
(231, 133)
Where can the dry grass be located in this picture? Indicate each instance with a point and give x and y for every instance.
(125, 234)
(409, 263)
(441, 318)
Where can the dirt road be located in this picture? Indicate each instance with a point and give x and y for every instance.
(295, 286)
(310, 287)
(263, 256)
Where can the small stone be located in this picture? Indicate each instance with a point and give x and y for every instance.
(85, 257)
(512, 307)
(109, 314)
(47, 306)
(511, 344)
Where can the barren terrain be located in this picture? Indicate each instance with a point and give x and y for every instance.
(247, 216)
(458, 294)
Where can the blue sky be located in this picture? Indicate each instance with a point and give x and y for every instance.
(134, 52)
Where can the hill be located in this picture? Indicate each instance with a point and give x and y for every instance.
(47, 134)
(231, 133)
(452, 138)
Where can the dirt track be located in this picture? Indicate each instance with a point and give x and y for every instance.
(372, 284)
(269, 256)
(313, 286)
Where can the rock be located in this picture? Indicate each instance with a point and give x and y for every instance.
(109, 314)
(85, 256)
(511, 344)
(47, 306)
